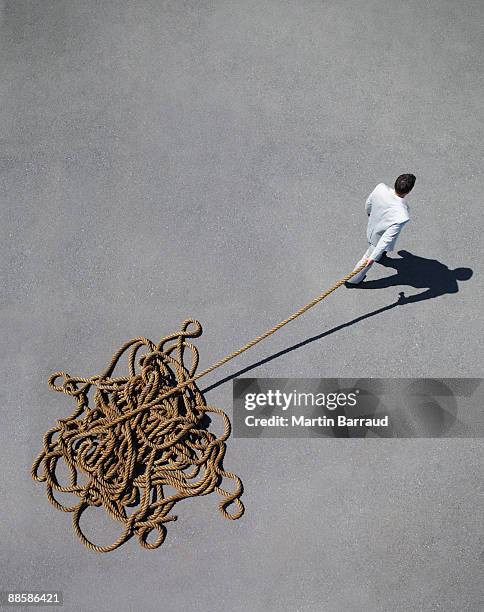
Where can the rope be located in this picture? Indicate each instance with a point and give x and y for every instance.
(277, 327)
(141, 434)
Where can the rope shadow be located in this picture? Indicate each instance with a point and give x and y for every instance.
(419, 272)
(301, 344)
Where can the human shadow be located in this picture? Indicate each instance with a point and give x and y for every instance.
(430, 274)
(419, 272)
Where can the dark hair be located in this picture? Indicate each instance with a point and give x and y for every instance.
(404, 183)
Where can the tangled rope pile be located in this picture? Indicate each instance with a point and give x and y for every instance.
(142, 434)
(145, 432)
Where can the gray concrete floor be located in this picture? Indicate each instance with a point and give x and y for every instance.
(164, 160)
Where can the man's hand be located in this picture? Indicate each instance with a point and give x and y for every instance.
(369, 262)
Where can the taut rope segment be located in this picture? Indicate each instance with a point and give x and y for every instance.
(142, 433)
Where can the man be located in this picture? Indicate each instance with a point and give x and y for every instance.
(387, 210)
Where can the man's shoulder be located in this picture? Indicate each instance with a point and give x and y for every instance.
(405, 213)
(402, 216)
(381, 190)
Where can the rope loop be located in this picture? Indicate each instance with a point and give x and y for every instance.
(129, 438)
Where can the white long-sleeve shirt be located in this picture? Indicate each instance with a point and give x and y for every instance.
(388, 214)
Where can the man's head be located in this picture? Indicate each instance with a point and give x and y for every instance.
(404, 184)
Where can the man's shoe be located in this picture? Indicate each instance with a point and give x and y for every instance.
(349, 285)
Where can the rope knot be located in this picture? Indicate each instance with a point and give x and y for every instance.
(130, 437)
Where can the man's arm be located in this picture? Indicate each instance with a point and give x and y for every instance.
(368, 204)
(387, 237)
(369, 200)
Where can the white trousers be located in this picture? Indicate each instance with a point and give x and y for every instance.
(361, 275)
